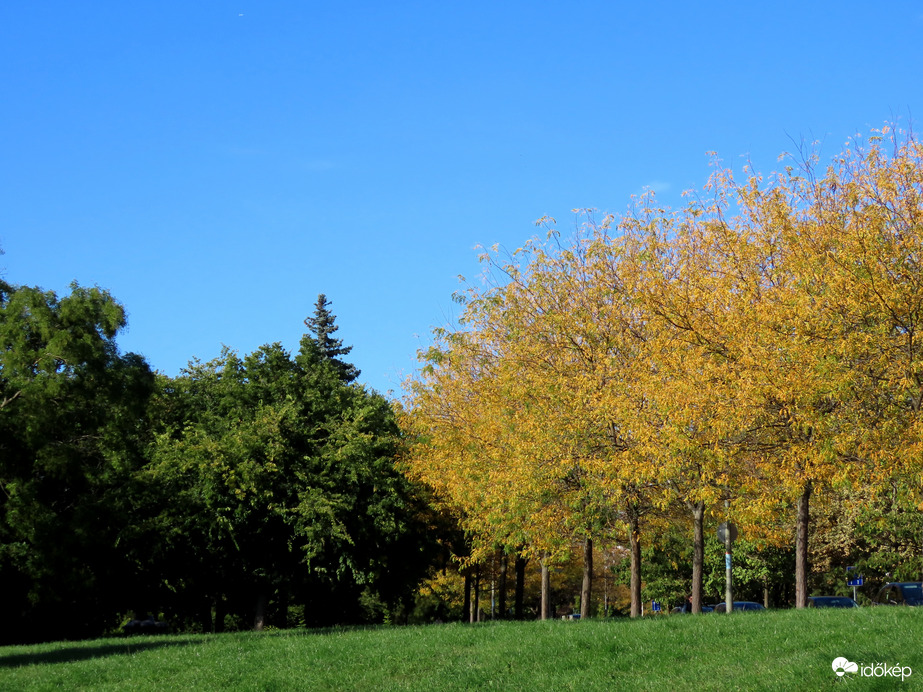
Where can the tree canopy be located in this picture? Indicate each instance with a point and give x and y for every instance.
(256, 489)
(757, 348)
(71, 436)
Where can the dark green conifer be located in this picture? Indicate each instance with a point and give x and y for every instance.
(322, 325)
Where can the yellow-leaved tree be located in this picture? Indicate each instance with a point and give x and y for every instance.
(758, 347)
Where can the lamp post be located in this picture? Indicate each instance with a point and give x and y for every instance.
(727, 534)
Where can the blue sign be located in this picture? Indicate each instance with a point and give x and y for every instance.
(655, 606)
(857, 581)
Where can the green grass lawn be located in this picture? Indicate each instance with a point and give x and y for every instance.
(781, 650)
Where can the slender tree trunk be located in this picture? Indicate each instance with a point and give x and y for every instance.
(283, 608)
(476, 603)
(466, 609)
(728, 565)
(205, 616)
(587, 590)
(634, 530)
(502, 585)
(546, 588)
(221, 612)
(801, 548)
(698, 554)
(259, 617)
(493, 598)
(520, 587)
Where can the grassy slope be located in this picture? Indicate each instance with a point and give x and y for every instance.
(783, 650)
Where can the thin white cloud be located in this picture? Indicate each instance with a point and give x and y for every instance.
(657, 186)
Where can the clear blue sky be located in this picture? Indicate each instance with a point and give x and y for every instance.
(216, 165)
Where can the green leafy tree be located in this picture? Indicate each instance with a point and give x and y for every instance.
(71, 412)
(275, 484)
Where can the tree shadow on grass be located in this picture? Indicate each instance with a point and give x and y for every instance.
(76, 652)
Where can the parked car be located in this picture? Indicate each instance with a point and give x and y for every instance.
(679, 610)
(831, 602)
(146, 624)
(739, 605)
(900, 593)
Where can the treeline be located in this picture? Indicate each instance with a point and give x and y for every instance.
(245, 492)
(753, 357)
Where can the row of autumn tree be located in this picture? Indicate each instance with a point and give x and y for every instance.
(754, 356)
(244, 491)
(750, 357)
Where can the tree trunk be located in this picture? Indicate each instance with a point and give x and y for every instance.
(801, 548)
(259, 618)
(698, 554)
(476, 603)
(728, 566)
(587, 590)
(221, 612)
(634, 537)
(466, 609)
(283, 608)
(520, 587)
(502, 585)
(205, 616)
(546, 588)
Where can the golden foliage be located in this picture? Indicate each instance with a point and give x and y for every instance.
(758, 342)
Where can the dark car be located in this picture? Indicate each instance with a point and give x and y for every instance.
(901, 593)
(146, 624)
(831, 602)
(679, 610)
(739, 605)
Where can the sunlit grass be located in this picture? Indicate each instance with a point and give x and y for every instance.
(783, 650)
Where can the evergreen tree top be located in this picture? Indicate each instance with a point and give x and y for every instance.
(322, 325)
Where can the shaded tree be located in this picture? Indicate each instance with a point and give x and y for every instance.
(71, 433)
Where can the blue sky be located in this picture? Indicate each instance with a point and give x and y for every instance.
(216, 165)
